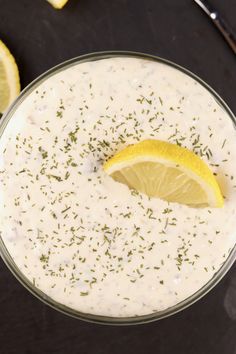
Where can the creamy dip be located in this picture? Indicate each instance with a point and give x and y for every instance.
(87, 241)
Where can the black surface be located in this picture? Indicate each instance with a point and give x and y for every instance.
(41, 37)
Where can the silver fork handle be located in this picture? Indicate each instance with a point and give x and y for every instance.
(225, 30)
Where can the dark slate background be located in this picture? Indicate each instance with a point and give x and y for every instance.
(41, 37)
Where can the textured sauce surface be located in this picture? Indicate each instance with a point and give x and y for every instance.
(87, 241)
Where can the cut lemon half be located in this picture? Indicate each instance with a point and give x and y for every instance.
(9, 78)
(167, 171)
(58, 4)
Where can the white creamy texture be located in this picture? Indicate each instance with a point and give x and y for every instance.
(87, 241)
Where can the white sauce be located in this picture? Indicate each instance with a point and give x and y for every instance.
(87, 241)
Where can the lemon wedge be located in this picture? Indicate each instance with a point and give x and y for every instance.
(167, 171)
(9, 78)
(58, 4)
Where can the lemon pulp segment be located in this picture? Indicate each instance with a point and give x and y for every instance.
(9, 78)
(167, 171)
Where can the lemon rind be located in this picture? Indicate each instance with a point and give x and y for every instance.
(59, 4)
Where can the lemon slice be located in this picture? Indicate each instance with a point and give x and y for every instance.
(9, 78)
(58, 4)
(167, 171)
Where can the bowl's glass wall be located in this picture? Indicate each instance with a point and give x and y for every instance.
(43, 297)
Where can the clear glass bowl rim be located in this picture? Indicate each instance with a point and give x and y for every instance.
(37, 292)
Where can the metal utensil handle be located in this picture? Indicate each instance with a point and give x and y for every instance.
(225, 30)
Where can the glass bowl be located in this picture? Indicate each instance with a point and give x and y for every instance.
(37, 292)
